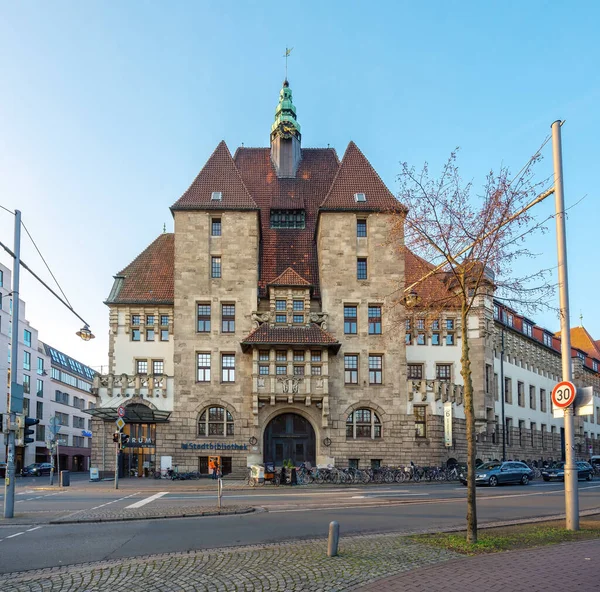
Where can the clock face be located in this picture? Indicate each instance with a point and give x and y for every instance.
(286, 130)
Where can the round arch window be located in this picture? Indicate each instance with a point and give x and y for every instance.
(215, 421)
(363, 423)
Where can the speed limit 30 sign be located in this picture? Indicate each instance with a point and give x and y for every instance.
(563, 394)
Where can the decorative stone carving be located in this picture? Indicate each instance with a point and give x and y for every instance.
(320, 318)
(258, 318)
(290, 383)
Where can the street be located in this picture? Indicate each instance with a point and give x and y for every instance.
(282, 514)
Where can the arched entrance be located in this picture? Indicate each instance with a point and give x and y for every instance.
(289, 436)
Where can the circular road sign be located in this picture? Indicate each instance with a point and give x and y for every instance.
(121, 411)
(563, 394)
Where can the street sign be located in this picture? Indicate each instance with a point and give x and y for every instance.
(563, 394)
(120, 423)
(121, 411)
(54, 425)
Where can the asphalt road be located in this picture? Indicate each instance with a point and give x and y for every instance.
(284, 514)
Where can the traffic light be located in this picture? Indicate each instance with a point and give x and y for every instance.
(116, 437)
(23, 431)
(124, 440)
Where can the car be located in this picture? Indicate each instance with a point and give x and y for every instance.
(496, 473)
(36, 470)
(557, 472)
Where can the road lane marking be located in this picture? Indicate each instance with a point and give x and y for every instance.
(32, 529)
(14, 535)
(147, 500)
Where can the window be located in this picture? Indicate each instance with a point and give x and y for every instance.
(1, 278)
(375, 369)
(40, 433)
(532, 396)
(496, 388)
(415, 371)
(361, 269)
(351, 369)
(361, 228)
(407, 338)
(263, 369)
(298, 370)
(215, 421)
(26, 360)
(203, 367)
(62, 418)
(363, 423)
(435, 339)
(298, 319)
(149, 334)
(141, 367)
(228, 318)
(315, 356)
(39, 388)
(443, 371)
(521, 394)
(450, 324)
(150, 319)
(542, 432)
(204, 317)
(496, 311)
(164, 335)
(27, 337)
(61, 397)
(281, 370)
(532, 430)
(158, 367)
(228, 368)
(508, 391)
(26, 383)
(78, 442)
(79, 422)
(421, 339)
(360, 197)
(350, 317)
(164, 320)
(552, 434)
(135, 320)
(281, 355)
(420, 412)
(594, 366)
(135, 335)
(287, 219)
(353, 463)
(39, 410)
(508, 428)
(216, 196)
(374, 320)
(298, 305)
(521, 430)
(263, 355)
(543, 404)
(280, 305)
(215, 229)
(528, 329)
(547, 340)
(215, 268)
(79, 403)
(298, 356)
(40, 366)
(281, 318)
(26, 406)
(315, 370)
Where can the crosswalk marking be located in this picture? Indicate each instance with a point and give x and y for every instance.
(147, 500)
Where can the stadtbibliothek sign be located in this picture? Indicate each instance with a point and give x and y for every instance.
(213, 446)
(448, 424)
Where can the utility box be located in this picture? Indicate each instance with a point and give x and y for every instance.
(258, 473)
(65, 479)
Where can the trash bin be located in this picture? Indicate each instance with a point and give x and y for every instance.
(65, 479)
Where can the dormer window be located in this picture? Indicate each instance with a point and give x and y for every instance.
(288, 219)
(216, 196)
(358, 197)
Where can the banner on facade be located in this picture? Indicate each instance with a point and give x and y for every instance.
(448, 424)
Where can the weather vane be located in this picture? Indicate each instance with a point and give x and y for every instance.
(288, 51)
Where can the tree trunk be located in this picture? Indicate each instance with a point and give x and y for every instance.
(470, 421)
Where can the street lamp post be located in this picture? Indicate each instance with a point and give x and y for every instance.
(502, 396)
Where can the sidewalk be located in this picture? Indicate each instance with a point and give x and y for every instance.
(568, 567)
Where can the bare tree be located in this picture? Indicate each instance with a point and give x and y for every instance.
(462, 246)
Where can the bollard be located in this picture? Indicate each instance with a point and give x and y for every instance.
(334, 539)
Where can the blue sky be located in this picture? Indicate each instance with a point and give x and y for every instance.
(109, 110)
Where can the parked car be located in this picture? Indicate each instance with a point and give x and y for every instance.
(557, 472)
(495, 473)
(36, 470)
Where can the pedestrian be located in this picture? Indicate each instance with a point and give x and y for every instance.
(216, 472)
(211, 468)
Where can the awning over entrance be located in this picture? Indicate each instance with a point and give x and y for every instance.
(133, 414)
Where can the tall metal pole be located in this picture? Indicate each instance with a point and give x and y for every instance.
(502, 396)
(13, 406)
(571, 486)
(117, 444)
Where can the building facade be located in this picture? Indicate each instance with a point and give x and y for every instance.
(268, 327)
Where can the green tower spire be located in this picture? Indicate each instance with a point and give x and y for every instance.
(285, 124)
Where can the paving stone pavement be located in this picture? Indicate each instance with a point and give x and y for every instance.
(568, 567)
(286, 567)
(148, 512)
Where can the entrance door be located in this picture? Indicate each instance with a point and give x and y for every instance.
(289, 437)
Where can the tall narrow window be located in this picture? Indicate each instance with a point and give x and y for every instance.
(351, 369)
(443, 371)
(203, 367)
(361, 228)
(420, 412)
(158, 367)
(350, 316)
(228, 368)
(228, 318)
(215, 229)
(374, 320)
(204, 317)
(361, 269)
(40, 366)
(141, 366)
(215, 270)
(27, 337)
(532, 397)
(26, 383)
(375, 369)
(521, 394)
(26, 360)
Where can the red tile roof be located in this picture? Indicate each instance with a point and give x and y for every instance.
(148, 279)
(289, 278)
(432, 292)
(308, 335)
(582, 340)
(356, 175)
(218, 174)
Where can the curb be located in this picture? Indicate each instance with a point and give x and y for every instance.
(161, 517)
